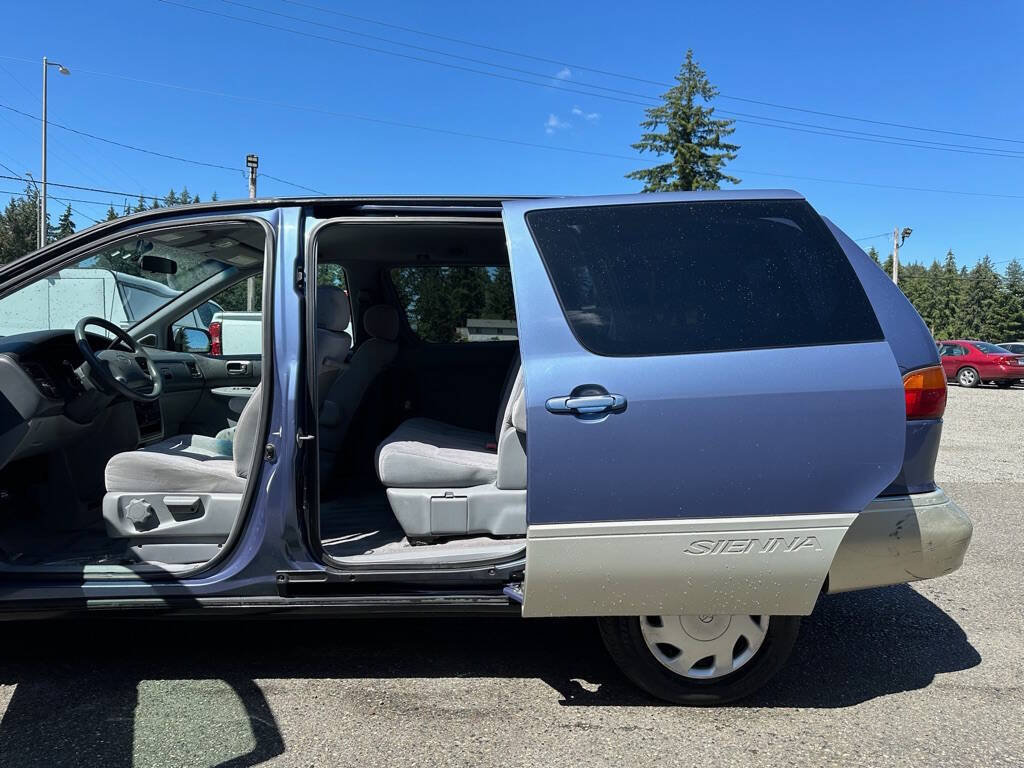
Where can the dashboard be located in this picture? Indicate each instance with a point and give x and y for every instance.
(43, 403)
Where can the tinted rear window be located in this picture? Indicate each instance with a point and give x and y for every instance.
(674, 278)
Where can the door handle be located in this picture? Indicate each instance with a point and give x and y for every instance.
(586, 404)
(237, 367)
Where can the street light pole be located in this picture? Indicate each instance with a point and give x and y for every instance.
(41, 239)
(898, 238)
(252, 162)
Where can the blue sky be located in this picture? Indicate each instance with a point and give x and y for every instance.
(955, 67)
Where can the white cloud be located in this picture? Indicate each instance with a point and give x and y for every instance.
(564, 73)
(591, 116)
(555, 123)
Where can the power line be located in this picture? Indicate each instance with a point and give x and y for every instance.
(75, 154)
(120, 143)
(502, 140)
(871, 237)
(153, 152)
(508, 141)
(925, 144)
(658, 83)
(62, 199)
(645, 101)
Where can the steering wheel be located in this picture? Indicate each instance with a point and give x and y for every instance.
(115, 370)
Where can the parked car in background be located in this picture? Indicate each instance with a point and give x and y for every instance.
(236, 333)
(970, 363)
(1017, 347)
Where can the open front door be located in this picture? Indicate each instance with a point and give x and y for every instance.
(710, 402)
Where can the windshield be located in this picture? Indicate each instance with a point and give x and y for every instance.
(130, 280)
(990, 349)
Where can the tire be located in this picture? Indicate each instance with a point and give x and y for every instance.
(629, 640)
(1005, 384)
(968, 377)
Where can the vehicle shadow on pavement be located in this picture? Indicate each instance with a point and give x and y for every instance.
(76, 698)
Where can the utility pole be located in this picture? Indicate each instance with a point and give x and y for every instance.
(899, 236)
(252, 162)
(41, 239)
(896, 256)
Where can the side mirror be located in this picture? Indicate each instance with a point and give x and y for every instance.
(192, 340)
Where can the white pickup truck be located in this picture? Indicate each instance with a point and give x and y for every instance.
(236, 333)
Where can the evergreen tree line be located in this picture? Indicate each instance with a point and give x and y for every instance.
(961, 303)
(439, 300)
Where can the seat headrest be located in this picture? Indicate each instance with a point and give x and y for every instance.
(332, 312)
(381, 322)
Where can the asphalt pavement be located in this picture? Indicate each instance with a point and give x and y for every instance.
(926, 675)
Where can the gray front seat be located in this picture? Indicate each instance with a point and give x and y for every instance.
(190, 463)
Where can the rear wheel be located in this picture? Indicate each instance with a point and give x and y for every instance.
(700, 660)
(967, 377)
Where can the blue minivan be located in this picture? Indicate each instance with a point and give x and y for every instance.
(685, 414)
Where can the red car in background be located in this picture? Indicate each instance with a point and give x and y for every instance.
(971, 362)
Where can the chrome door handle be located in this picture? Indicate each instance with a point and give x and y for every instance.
(586, 404)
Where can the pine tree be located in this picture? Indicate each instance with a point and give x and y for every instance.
(140, 205)
(111, 213)
(19, 225)
(979, 302)
(499, 301)
(171, 198)
(154, 204)
(184, 198)
(65, 224)
(214, 197)
(873, 253)
(1014, 282)
(692, 136)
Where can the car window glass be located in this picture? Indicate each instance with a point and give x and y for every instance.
(989, 349)
(446, 304)
(674, 278)
(131, 279)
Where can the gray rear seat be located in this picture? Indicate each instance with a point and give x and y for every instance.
(444, 480)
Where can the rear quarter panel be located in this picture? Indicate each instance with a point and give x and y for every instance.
(913, 347)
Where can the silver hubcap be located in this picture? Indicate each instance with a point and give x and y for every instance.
(703, 646)
(967, 377)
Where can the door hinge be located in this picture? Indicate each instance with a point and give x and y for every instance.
(300, 278)
(301, 437)
(269, 453)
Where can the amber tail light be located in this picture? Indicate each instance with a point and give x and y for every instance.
(925, 393)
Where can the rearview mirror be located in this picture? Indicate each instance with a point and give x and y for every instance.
(194, 340)
(158, 264)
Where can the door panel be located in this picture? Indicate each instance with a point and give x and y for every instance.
(721, 481)
(224, 394)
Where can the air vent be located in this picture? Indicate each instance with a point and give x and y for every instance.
(193, 369)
